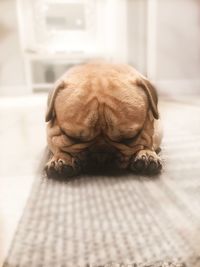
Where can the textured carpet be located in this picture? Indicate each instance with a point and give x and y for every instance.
(120, 220)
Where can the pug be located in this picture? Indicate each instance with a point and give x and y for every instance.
(103, 114)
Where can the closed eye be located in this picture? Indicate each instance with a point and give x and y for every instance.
(75, 139)
(129, 140)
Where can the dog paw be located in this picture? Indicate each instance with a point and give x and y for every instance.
(60, 168)
(146, 161)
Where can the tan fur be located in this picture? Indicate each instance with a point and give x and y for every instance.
(98, 105)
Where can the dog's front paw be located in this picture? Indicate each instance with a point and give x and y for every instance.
(61, 168)
(146, 161)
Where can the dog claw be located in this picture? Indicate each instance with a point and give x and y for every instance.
(152, 166)
(159, 166)
(151, 158)
(52, 164)
(60, 163)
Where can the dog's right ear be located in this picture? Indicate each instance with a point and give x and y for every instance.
(151, 93)
(50, 114)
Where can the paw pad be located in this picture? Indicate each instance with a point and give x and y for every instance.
(60, 169)
(147, 162)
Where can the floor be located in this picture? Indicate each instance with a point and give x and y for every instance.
(22, 142)
(22, 139)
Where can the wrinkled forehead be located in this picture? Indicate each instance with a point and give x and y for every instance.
(124, 119)
(78, 117)
(113, 117)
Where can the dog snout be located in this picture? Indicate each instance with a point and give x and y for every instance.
(102, 148)
(100, 158)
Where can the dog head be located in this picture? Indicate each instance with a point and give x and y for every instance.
(102, 109)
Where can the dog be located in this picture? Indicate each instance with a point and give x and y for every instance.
(103, 114)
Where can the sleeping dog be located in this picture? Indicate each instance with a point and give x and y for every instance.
(100, 114)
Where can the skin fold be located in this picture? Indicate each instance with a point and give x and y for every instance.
(102, 113)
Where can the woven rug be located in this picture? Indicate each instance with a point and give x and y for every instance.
(120, 220)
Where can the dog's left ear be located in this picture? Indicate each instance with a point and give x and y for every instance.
(151, 93)
(50, 114)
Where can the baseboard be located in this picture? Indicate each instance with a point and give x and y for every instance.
(14, 90)
(173, 88)
(165, 88)
(23, 101)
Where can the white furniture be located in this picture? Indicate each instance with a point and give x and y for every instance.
(56, 34)
(43, 69)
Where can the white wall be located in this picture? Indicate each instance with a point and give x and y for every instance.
(178, 39)
(137, 34)
(164, 43)
(178, 45)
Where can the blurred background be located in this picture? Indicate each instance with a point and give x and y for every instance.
(40, 39)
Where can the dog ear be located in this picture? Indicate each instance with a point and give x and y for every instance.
(152, 95)
(50, 114)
